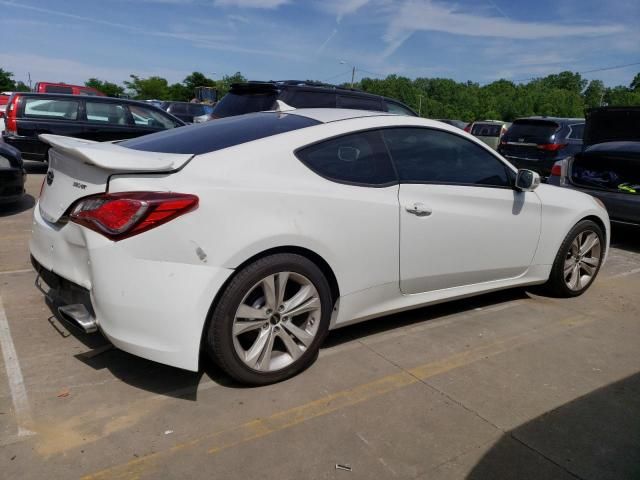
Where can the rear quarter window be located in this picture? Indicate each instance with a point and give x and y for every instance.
(356, 159)
(576, 131)
(486, 130)
(218, 134)
(51, 108)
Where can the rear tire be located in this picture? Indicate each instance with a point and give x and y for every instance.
(578, 260)
(271, 320)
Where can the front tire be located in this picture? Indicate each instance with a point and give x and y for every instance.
(271, 320)
(578, 260)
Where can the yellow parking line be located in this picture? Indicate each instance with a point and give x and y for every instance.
(246, 432)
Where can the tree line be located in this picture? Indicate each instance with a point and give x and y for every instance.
(566, 94)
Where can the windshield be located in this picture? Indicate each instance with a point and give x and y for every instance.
(532, 129)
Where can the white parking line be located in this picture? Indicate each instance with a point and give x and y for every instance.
(14, 373)
(626, 274)
(11, 272)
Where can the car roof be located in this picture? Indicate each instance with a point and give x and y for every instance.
(327, 115)
(96, 98)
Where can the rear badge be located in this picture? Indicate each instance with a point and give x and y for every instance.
(50, 177)
(79, 185)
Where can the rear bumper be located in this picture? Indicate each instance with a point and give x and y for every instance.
(541, 166)
(150, 307)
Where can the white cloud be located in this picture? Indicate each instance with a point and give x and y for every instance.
(428, 15)
(268, 4)
(341, 8)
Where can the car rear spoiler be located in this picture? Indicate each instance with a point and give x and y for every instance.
(111, 156)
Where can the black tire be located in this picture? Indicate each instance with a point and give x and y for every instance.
(556, 285)
(219, 337)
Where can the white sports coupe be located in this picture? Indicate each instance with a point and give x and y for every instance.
(251, 237)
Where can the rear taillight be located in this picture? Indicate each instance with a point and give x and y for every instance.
(121, 215)
(552, 147)
(557, 169)
(11, 122)
(468, 128)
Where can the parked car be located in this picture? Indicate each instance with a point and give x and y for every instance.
(456, 123)
(609, 165)
(189, 112)
(12, 174)
(488, 131)
(260, 96)
(256, 235)
(48, 87)
(96, 118)
(4, 100)
(538, 142)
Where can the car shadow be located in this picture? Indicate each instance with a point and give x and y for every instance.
(174, 382)
(25, 203)
(625, 237)
(595, 436)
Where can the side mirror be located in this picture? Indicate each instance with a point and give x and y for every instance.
(527, 180)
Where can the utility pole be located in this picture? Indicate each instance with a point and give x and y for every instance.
(419, 105)
(353, 75)
(29, 75)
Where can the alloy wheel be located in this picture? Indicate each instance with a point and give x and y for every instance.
(276, 321)
(582, 260)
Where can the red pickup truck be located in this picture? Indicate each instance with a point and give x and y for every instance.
(47, 87)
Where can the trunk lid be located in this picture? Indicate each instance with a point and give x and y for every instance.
(612, 124)
(78, 168)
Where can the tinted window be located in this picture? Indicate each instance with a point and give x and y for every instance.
(148, 117)
(196, 109)
(532, 129)
(51, 108)
(111, 113)
(577, 131)
(434, 156)
(178, 109)
(359, 103)
(57, 89)
(235, 104)
(359, 158)
(486, 130)
(306, 99)
(398, 109)
(219, 134)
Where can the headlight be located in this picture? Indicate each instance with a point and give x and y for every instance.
(4, 162)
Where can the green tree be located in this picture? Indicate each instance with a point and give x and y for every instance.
(21, 87)
(108, 88)
(150, 88)
(594, 94)
(7, 84)
(635, 83)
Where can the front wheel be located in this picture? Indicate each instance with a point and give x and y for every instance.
(271, 319)
(578, 261)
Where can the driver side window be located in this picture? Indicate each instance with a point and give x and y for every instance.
(423, 155)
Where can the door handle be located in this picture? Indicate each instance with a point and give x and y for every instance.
(419, 209)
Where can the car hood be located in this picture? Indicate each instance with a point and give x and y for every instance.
(612, 124)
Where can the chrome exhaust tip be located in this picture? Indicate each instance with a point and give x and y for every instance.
(78, 315)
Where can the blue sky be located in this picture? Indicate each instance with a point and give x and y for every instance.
(478, 40)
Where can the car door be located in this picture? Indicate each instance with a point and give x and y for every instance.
(461, 222)
(106, 121)
(40, 114)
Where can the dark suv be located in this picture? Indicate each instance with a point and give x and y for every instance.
(536, 143)
(94, 118)
(259, 96)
